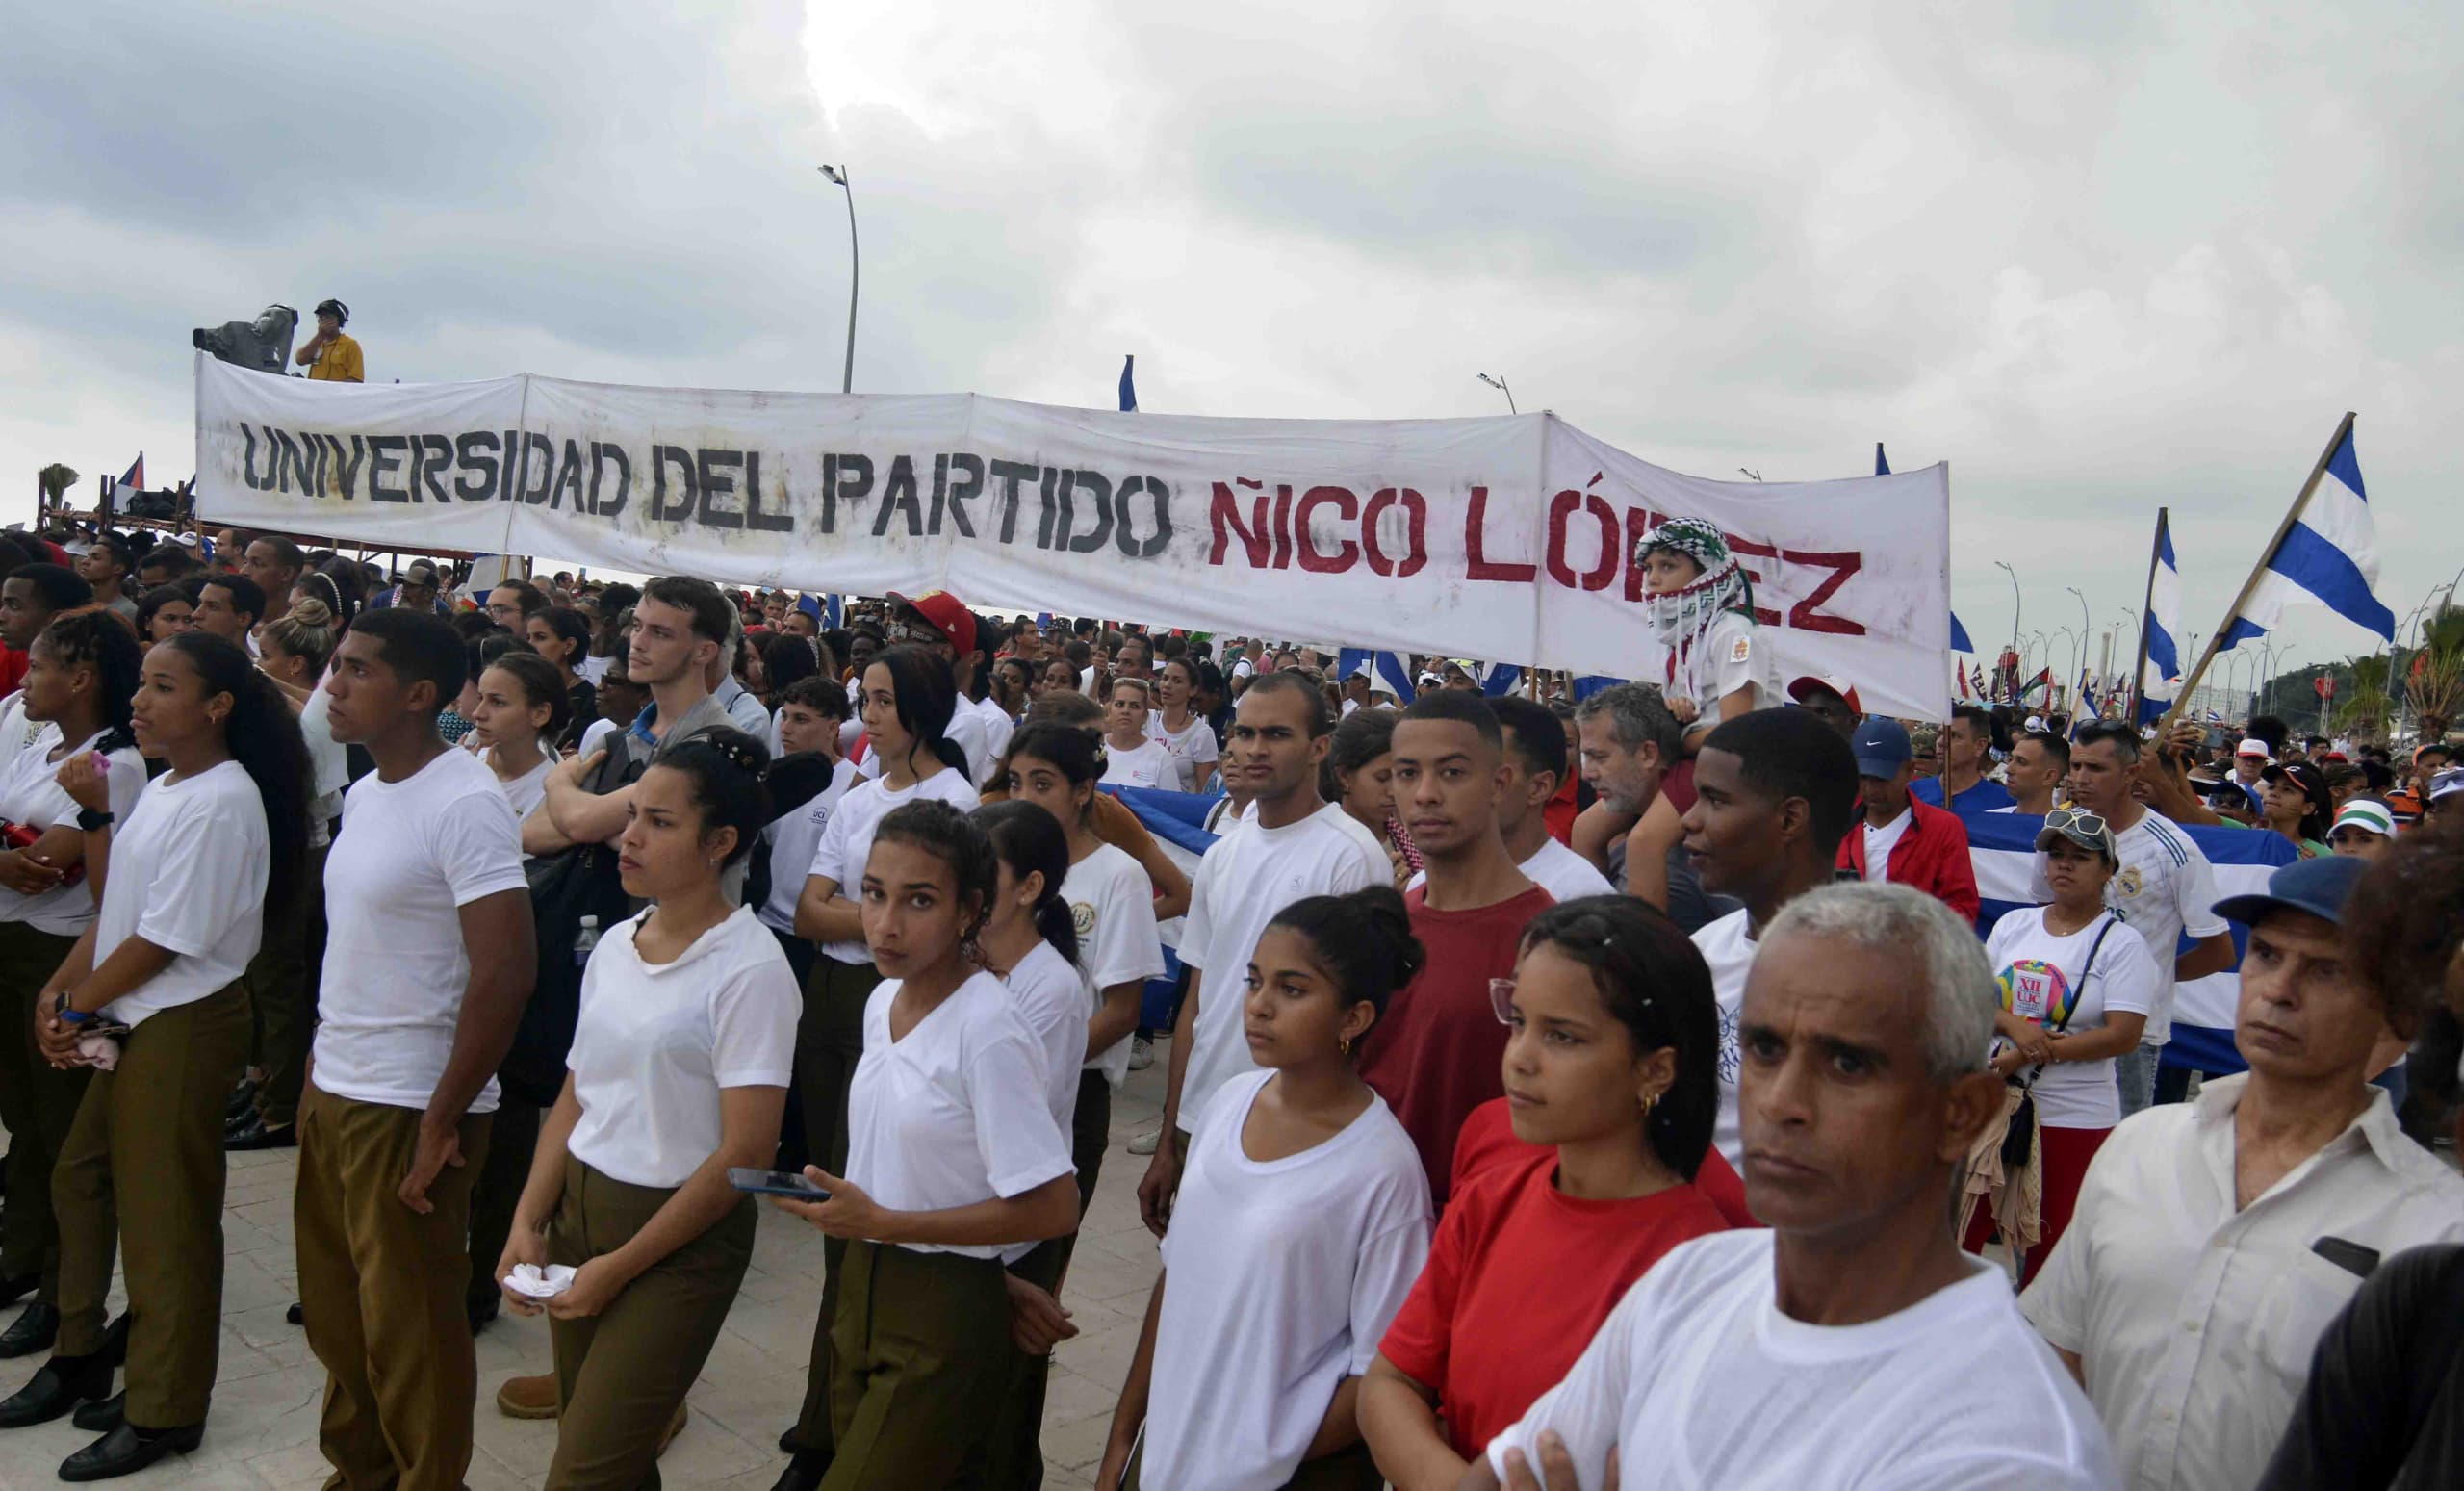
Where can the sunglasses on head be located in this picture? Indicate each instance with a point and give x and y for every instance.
(2080, 818)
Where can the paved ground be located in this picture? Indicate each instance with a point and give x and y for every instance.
(263, 1432)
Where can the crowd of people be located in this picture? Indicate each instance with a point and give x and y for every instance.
(1559, 1088)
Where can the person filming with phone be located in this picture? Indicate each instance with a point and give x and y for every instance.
(330, 357)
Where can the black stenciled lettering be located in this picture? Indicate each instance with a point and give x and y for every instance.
(843, 478)
(347, 467)
(476, 453)
(383, 457)
(604, 454)
(568, 478)
(1099, 492)
(539, 457)
(970, 487)
(661, 509)
(1128, 543)
(777, 521)
(509, 489)
(291, 463)
(248, 459)
(717, 470)
(899, 494)
(1055, 494)
(1005, 501)
(437, 451)
(317, 463)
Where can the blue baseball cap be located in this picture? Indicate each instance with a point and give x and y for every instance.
(2320, 887)
(1881, 746)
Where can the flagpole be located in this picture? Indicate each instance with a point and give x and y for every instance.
(2266, 556)
(2147, 610)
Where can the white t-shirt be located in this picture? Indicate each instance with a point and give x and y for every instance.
(594, 668)
(524, 794)
(847, 840)
(956, 1112)
(1148, 766)
(1243, 880)
(17, 731)
(188, 873)
(998, 728)
(1726, 948)
(1192, 747)
(329, 768)
(1112, 899)
(656, 1043)
(2166, 889)
(791, 839)
(2042, 974)
(1881, 841)
(31, 794)
(1564, 874)
(1053, 998)
(410, 855)
(594, 736)
(1698, 1380)
(1281, 1279)
(966, 731)
(1364, 836)
(1731, 653)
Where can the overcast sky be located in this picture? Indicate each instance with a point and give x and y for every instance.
(2097, 257)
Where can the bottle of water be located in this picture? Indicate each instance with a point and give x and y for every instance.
(585, 941)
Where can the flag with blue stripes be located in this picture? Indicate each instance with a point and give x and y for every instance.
(1882, 466)
(1499, 680)
(2329, 558)
(1128, 389)
(1390, 668)
(1960, 642)
(2164, 666)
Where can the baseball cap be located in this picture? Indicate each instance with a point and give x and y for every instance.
(2306, 777)
(1881, 746)
(2320, 887)
(942, 611)
(2034, 724)
(2365, 815)
(2257, 748)
(2086, 830)
(2447, 783)
(1798, 689)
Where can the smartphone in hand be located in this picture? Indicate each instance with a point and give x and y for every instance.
(760, 1182)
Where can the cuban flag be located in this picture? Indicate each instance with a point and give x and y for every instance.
(1500, 680)
(2330, 556)
(1390, 668)
(2164, 666)
(134, 479)
(1128, 389)
(2087, 693)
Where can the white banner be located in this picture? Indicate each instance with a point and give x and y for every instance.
(1508, 539)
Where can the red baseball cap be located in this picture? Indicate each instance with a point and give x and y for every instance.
(944, 613)
(1798, 689)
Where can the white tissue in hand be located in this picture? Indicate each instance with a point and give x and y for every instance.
(528, 1279)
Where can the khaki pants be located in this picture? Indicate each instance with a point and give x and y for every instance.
(143, 1167)
(1013, 1451)
(829, 1041)
(495, 1190)
(282, 986)
(916, 1369)
(381, 1287)
(621, 1373)
(38, 1102)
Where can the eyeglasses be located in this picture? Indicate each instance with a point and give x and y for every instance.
(1502, 999)
(2066, 819)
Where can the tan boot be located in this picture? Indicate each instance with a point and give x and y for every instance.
(528, 1397)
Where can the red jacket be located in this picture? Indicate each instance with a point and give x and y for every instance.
(1931, 856)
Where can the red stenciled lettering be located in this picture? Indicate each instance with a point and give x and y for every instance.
(1561, 508)
(1843, 565)
(1223, 515)
(1415, 509)
(1283, 525)
(1312, 558)
(1745, 549)
(1475, 550)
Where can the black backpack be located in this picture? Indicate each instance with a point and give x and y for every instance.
(566, 886)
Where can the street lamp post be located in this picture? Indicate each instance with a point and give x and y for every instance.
(1500, 385)
(2006, 569)
(837, 175)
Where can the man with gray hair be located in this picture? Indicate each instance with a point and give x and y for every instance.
(1852, 1342)
(1629, 742)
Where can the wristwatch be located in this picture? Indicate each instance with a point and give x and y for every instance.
(89, 820)
(75, 1016)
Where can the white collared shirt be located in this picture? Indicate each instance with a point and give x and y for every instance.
(1881, 841)
(2195, 1321)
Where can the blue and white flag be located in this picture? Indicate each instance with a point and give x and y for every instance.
(1128, 389)
(2002, 851)
(2329, 558)
(1960, 642)
(1389, 667)
(2164, 666)
(1500, 678)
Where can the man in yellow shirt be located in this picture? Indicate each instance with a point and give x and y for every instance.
(330, 357)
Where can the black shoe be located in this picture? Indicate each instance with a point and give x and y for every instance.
(103, 1415)
(244, 1101)
(257, 1134)
(60, 1386)
(803, 1471)
(115, 1347)
(294, 1315)
(12, 1290)
(480, 1316)
(34, 1330)
(127, 1449)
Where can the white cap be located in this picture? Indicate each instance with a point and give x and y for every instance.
(2034, 724)
(2363, 813)
(2256, 748)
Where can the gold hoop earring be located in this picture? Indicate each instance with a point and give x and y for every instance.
(1343, 1045)
(1651, 1100)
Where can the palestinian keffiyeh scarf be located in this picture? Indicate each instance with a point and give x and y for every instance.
(1681, 617)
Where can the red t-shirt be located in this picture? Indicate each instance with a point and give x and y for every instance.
(1489, 1139)
(1523, 1274)
(1561, 812)
(13, 670)
(1440, 1051)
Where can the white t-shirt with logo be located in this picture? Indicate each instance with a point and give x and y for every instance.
(790, 840)
(1053, 998)
(2166, 889)
(31, 794)
(1244, 879)
(847, 840)
(1699, 1381)
(2043, 975)
(656, 1042)
(1147, 765)
(1193, 746)
(410, 855)
(1282, 1277)
(1112, 899)
(1729, 952)
(953, 1113)
(188, 873)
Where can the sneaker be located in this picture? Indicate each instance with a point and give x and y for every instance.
(528, 1397)
(1144, 1143)
(1141, 1054)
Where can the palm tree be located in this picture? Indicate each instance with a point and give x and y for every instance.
(2435, 676)
(2364, 711)
(56, 479)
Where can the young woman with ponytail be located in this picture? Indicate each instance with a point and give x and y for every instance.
(1611, 1078)
(80, 675)
(213, 847)
(1302, 1218)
